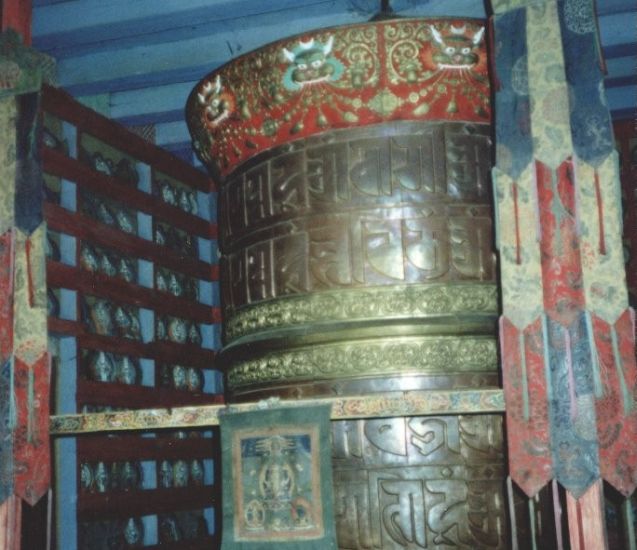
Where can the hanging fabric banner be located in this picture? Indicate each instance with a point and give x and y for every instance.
(278, 479)
(24, 359)
(566, 330)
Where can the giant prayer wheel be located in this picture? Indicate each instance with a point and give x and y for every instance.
(357, 258)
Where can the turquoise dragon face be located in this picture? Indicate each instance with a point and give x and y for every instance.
(311, 63)
(455, 50)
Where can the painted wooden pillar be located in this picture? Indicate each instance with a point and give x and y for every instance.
(566, 330)
(24, 359)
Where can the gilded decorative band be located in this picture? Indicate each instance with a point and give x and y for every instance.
(364, 358)
(391, 302)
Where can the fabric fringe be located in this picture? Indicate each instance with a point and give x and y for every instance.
(626, 397)
(514, 527)
(576, 192)
(571, 375)
(557, 514)
(496, 210)
(536, 204)
(525, 381)
(597, 378)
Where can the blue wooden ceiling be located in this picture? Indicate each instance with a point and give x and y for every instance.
(137, 60)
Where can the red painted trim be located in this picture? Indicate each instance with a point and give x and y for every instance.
(518, 259)
(16, 15)
(600, 215)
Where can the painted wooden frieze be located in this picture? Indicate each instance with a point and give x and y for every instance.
(340, 78)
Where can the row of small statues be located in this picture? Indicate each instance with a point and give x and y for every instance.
(99, 260)
(180, 473)
(181, 377)
(108, 319)
(186, 199)
(129, 533)
(122, 169)
(177, 284)
(175, 239)
(102, 477)
(109, 212)
(106, 367)
(177, 330)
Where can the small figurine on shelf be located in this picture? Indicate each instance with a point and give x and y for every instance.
(189, 245)
(53, 304)
(180, 379)
(134, 532)
(126, 270)
(160, 329)
(160, 237)
(192, 199)
(86, 477)
(130, 476)
(194, 334)
(107, 265)
(165, 474)
(123, 321)
(52, 250)
(177, 330)
(127, 323)
(202, 527)
(125, 220)
(180, 473)
(161, 283)
(126, 172)
(194, 379)
(102, 478)
(101, 317)
(174, 285)
(104, 214)
(191, 289)
(127, 371)
(102, 164)
(197, 473)
(184, 201)
(101, 367)
(169, 530)
(167, 193)
(49, 139)
(89, 258)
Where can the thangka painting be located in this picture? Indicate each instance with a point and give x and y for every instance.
(277, 479)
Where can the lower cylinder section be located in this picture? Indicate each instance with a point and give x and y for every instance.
(422, 482)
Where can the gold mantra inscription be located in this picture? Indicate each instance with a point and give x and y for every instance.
(443, 162)
(363, 210)
(363, 249)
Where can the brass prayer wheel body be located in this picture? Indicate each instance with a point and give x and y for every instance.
(360, 261)
(357, 257)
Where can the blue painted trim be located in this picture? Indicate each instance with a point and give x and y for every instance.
(624, 114)
(621, 66)
(81, 27)
(185, 25)
(620, 81)
(619, 50)
(152, 118)
(132, 81)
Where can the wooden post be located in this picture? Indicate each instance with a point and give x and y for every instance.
(10, 523)
(16, 15)
(586, 524)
